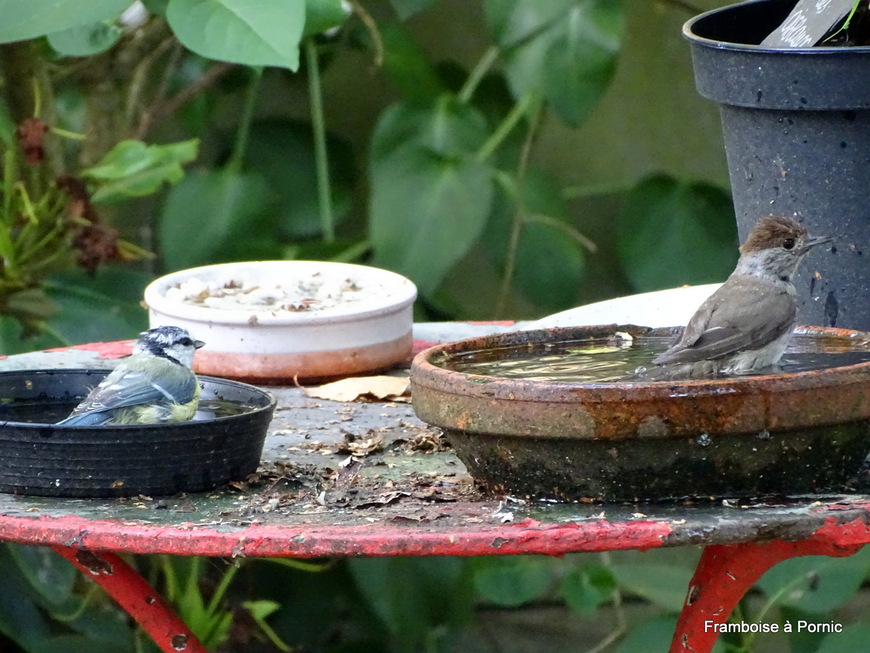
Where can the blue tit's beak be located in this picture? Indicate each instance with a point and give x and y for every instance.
(198, 343)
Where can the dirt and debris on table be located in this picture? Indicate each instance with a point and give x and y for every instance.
(359, 456)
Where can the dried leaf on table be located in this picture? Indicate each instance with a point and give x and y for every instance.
(384, 499)
(381, 387)
(361, 446)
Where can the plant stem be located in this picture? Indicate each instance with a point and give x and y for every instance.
(566, 229)
(48, 330)
(301, 565)
(772, 600)
(372, 27)
(505, 127)
(353, 252)
(519, 215)
(28, 89)
(477, 73)
(141, 73)
(247, 117)
(221, 590)
(621, 623)
(318, 125)
(152, 115)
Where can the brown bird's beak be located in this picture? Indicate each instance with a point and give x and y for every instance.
(816, 240)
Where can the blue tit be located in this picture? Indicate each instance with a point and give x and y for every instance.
(154, 385)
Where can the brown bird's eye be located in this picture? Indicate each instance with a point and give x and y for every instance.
(788, 243)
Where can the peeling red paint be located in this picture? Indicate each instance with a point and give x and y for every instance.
(116, 349)
(727, 571)
(419, 345)
(137, 598)
(94, 563)
(523, 537)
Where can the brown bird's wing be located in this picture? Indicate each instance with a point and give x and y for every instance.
(712, 334)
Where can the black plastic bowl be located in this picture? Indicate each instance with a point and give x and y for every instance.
(38, 457)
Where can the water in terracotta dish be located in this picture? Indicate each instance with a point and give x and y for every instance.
(567, 414)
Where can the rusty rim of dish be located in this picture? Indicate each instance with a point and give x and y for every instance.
(601, 411)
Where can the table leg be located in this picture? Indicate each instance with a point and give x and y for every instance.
(724, 575)
(136, 597)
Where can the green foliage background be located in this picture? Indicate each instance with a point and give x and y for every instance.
(512, 157)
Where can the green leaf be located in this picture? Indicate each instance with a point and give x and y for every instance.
(133, 169)
(29, 304)
(549, 261)
(512, 580)
(49, 575)
(261, 609)
(51, 581)
(323, 15)
(408, 66)
(513, 22)
(34, 18)
(549, 266)
(82, 644)
(85, 40)
(407, 8)
(283, 153)
(113, 293)
(213, 216)
(14, 341)
(21, 620)
(446, 127)
(430, 195)
(660, 584)
(581, 59)
(562, 50)
(416, 599)
(652, 635)
(853, 638)
(816, 584)
(655, 635)
(674, 232)
(426, 212)
(586, 588)
(156, 7)
(262, 33)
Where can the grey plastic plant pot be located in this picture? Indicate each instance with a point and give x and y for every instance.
(796, 124)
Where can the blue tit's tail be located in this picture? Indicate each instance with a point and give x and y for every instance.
(94, 418)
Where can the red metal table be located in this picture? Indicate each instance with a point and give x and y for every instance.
(403, 495)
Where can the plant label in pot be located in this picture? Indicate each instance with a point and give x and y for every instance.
(808, 23)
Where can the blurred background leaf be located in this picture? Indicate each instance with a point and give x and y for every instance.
(673, 232)
(510, 580)
(263, 34)
(38, 17)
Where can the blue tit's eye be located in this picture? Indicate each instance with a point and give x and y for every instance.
(187, 342)
(788, 243)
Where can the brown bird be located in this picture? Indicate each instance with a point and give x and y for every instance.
(746, 324)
